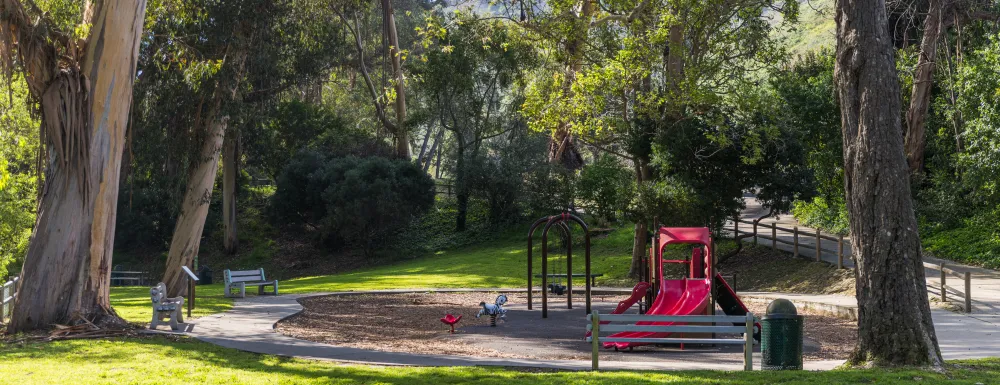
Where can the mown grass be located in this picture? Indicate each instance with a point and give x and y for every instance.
(187, 361)
(499, 262)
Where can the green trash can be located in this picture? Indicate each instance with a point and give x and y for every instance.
(781, 337)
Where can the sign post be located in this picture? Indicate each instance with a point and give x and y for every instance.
(191, 285)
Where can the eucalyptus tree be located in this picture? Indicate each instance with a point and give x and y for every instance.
(894, 316)
(469, 77)
(78, 61)
(229, 60)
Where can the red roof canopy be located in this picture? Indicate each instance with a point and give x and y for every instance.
(670, 235)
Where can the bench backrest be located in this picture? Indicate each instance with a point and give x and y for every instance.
(244, 275)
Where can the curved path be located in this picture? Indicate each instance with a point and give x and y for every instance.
(249, 326)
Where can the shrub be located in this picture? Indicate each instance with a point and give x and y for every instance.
(549, 190)
(361, 202)
(973, 243)
(822, 213)
(607, 185)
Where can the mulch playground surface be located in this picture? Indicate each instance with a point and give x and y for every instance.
(409, 323)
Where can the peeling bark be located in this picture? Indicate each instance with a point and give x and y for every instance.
(66, 273)
(894, 317)
(194, 209)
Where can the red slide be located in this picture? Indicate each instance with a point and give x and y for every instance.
(638, 292)
(676, 297)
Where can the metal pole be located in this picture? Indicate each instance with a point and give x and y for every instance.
(595, 320)
(795, 241)
(840, 251)
(190, 301)
(569, 267)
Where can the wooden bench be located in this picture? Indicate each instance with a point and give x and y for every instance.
(163, 307)
(240, 279)
(592, 276)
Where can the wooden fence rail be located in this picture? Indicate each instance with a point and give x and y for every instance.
(818, 250)
(797, 235)
(682, 326)
(8, 292)
(943, 285)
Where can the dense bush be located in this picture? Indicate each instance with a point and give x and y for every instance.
(823, 214)
(362, 202)
(973, 243)
(607, 186)
(549, 189)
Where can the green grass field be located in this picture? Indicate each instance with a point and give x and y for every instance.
(186, 361)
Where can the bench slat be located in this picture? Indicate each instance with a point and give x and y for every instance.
(672, 340)
(244, 272)
(671, 328)
(245, 279)
(669, 318)
(259, 283)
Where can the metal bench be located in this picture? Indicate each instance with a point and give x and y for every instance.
(240, 279)
(593, 277)
(163, 307)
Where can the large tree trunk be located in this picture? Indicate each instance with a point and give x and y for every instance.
(66, 273)
(923, 80)
(462, 190)
(639, 250)
(402, 134)
(194, 209)
(230, 161)
(894, 317)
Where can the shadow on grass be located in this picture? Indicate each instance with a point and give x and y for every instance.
(163, 360)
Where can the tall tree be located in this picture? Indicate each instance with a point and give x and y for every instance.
(923, 80)
(84, 89)
(894, 318)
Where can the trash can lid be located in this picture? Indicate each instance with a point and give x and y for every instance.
(781, 306)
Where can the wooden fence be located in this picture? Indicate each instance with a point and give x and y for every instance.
(648, 325)
(818, 249)
(943, 286)
(817, 235)
(7, 294)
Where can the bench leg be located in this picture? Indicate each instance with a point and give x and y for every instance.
(243, 290)
(174, 319)
(275, 287)
(260, 290)
(155, 321)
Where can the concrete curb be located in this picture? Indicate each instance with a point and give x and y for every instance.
(842, 311)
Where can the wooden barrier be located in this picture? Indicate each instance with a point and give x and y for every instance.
(8, 292)
(817, 236)
(943, 285)
(595, 327)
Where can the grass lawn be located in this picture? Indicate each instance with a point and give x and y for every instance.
(187, 361)
(500, 262)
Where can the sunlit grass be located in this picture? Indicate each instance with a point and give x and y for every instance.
(187, 361)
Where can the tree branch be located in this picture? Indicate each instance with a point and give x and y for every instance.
(379, 109)
(621, 18)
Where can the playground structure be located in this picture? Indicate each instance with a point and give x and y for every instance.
(695, 294)
(559, 220)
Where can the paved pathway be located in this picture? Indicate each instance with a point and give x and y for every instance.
(249, 326)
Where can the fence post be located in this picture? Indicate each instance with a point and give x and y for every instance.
(755, 233)
(748, 344)
(3, 305)
(736, 228)
(774, 236)
(968, 293)
(595, 320)
(818, 243)
(840, 251)
(944, 295)
(795, 241)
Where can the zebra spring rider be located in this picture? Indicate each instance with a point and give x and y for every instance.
(493, 310)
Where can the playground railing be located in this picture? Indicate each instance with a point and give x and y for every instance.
(944, 288)
(596, 329)
(8, 292)
(797, 234)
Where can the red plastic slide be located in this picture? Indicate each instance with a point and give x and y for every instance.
(676, 297)
(638, 292)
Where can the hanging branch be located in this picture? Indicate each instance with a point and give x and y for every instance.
(379, 108)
